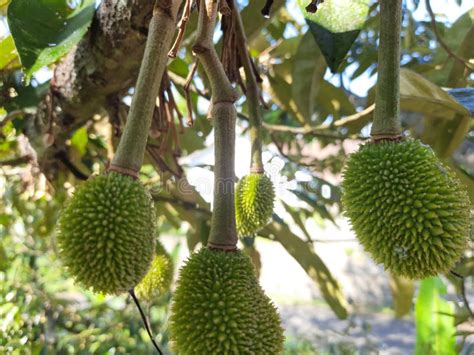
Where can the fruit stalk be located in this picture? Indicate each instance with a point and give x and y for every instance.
(252, 94)
(223, 233)
(130, 153)
(387, 101)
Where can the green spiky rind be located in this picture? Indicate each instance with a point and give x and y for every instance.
(219, 308)
(158, 279)
(254, 198)
(106, 233)
(407, 209)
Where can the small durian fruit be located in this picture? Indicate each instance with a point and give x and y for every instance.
(408, 210)
(106, 233)
(158, 279)
(254, 198)
(219, 308)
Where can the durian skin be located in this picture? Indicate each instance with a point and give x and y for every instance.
(219, 308)
(408, 210)
(106, 233)
(254, 198)
(158, 279)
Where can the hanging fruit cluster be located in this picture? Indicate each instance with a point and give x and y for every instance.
(407, 208)
(107, 231)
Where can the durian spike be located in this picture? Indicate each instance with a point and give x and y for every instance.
(387, 100)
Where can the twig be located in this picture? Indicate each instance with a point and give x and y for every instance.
(313, 6)
(145, 320)
(441, 41)
(252, 93)
(321, 130)
(187, 93)
(323, 133)
(463, 292)
(185, 204)
(11, 116)
(317, 131)
(25, 159)
(266, 9)
(181, 29)
(63, 158)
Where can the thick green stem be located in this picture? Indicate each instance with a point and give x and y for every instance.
(131, 150)
(223, 233)
(253, 95)
(387, 101)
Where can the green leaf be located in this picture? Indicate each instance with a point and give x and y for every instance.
(4, 264)
(27, 97)
(79, 140)
(280, 92)
(253, 20)
(45, 30)
(435, 330)
(311, 263)
(308, 71)
(466, 179)
(8, 52)
(335, 27)
(420, 95)
(179, 67)
(458, 39)
(446, 119)
(3, 6)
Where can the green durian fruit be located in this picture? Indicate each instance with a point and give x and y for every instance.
(254, 197)
(158, 279)
(106, 233)
(219, 308)
(407, 209)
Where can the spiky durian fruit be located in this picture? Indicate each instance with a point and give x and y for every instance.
(254, 197)
(219, 308)
(407, 209)
(158, 278)
(106, 233)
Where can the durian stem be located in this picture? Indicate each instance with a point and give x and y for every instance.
(223, 233)
(129, 156)
(252, 94)
(387, 101)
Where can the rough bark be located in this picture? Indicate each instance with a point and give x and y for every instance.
(91, 77)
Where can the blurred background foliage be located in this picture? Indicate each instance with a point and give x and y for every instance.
(53, 135)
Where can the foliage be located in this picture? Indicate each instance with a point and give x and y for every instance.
(44, 31)
(434, 319)
(313, 119)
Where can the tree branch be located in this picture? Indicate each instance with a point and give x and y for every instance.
(252, 94)
(440, 39)
(102, 66)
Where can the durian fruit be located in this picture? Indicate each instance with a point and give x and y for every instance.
(219, 308)
(407, 209)
(106, 233)
(254, 197)
(158, 279)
